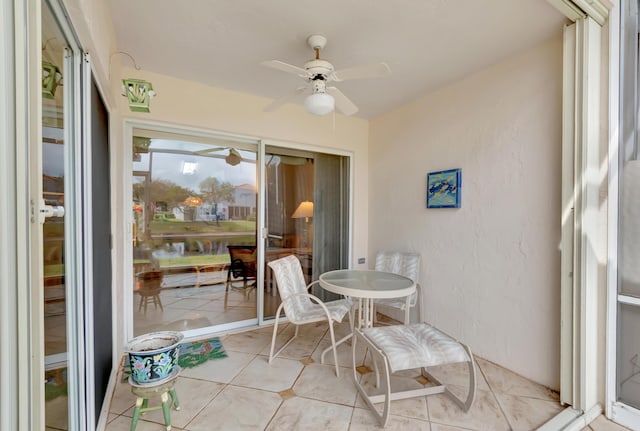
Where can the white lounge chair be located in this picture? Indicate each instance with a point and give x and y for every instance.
(406, 347)
(301, 307)
(408, 265)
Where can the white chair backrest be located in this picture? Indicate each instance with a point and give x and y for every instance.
(406, 264)
(290, 280)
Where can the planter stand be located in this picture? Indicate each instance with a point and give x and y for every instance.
(168, 397)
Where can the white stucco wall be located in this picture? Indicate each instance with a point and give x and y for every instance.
(490, 270)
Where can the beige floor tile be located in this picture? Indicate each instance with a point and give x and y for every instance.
(123, 423)
(319, 382)
(269, 329)
(122, 399)
(441, 427)
(232, 315)
(315, 330)
(524, 413)
(248, 342)
(220, 370)
(363, 420)
(281, 374)
(56, 413)
(412, 407)
(243, 391)
(186, 304)
(344, 353)
(458, 374)
(193, 396)
(504, 381)
(301, 347)
(340, 329)
(216, 306)
(601, 423)
(237, 408)
(111, 417)
(485, 414)
(302, 414)
(172, 319)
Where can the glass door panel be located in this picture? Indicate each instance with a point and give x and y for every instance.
(628, 355)
(306, 206)
(53, 187)
(194, 204)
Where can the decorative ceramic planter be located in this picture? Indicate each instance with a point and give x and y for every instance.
(153, 357)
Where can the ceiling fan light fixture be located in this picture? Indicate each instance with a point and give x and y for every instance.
(319, 103)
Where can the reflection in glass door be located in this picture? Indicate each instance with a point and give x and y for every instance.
(628, 354)
(624, 365)
(306, 205)
(194, 206)
(53, 186)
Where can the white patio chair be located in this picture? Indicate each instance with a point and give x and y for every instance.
(408, 265)
(301, 307)
(406, 347)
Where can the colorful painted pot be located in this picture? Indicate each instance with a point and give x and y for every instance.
(153, 357)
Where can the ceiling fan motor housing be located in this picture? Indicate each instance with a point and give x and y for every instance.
(318, 67)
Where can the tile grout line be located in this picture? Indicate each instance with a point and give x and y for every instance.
(486, 379)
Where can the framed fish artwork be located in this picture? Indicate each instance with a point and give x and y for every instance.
(443, 189)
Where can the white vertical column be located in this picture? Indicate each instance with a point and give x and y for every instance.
(583, 242)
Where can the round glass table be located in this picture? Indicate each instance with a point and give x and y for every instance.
(368, 285)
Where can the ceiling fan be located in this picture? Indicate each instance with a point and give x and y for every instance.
(233, 157)
(318, 73)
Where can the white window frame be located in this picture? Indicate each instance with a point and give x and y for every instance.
(126, 169)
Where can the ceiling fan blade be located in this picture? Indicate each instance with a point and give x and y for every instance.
(210, 150)
(286, 67)
(284, 99)
(379, 70)
(346, 106)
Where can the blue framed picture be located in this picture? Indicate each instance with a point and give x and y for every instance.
(443, 189)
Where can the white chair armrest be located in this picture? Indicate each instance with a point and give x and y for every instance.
(310, 296)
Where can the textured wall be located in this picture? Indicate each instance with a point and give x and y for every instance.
(490, 269)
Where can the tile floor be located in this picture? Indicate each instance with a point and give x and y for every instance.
(296, 392)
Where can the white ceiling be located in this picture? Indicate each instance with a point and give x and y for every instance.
(427, 43)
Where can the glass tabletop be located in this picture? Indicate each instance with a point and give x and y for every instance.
(367, 283)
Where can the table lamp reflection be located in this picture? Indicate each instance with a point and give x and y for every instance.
(304, 210)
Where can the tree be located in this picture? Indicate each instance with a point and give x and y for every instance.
(165, 191)
(217, 191)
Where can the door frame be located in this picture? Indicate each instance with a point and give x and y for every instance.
(125, 238)
(21, 330)
(124, 196)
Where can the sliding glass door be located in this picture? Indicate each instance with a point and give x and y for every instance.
(197, 264)
(624, 360)
(58, 259)
(194, 206)
(306, 207)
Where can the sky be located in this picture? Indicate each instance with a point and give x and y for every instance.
(169, 167)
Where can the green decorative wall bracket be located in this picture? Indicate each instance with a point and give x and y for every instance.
(51, 78)
(139, 93)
